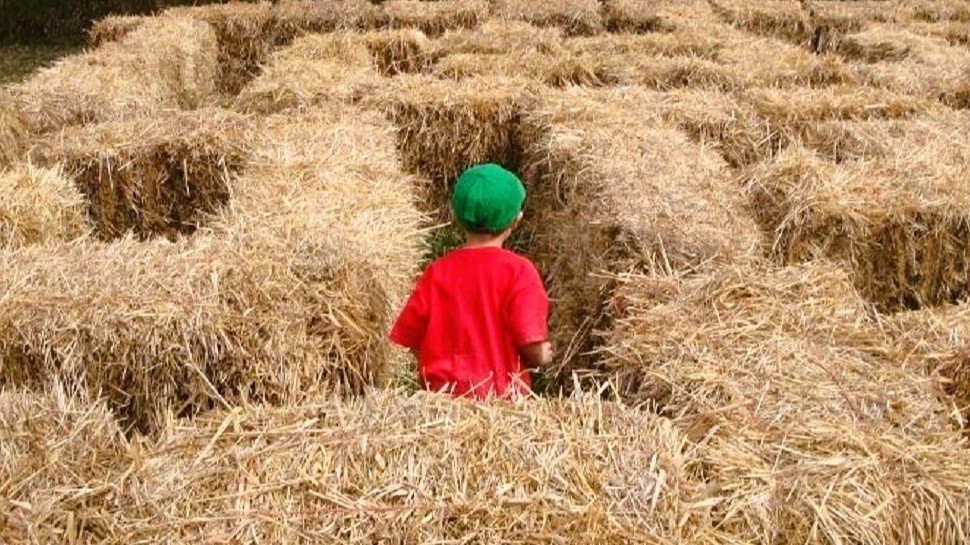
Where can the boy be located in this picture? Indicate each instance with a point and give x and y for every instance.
(477, 318)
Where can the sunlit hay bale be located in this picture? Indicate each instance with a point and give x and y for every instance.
(941, 10)
(166, 64)
(315, 69)
(666, 73)
(791, 116)
(718, 348)
(394, 468)
(288, 293)
(445, 127)
(399, 51)
(935, 341)
(956, 34)
(716, 119)
(434, 18)
(500, 38)
(898, 219)
(113, 28)
(555, 70)
(152, 177)
(766, 62)
(862, 11)
(574, 17)
(59, 458)
(910, 63)
(782, 19)
(247, 34)
(317, 16)
(803, 452)
(14, 132)
(39, 206)
(836, 482)
(625, 190)
(665, 44)
(633, 16)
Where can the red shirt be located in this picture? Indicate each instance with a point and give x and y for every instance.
(469, 314)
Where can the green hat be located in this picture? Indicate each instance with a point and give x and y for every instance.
(487, 198)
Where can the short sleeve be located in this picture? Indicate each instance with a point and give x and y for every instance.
(528, 308)
(409, 328)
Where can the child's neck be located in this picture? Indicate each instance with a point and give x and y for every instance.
(478, 240)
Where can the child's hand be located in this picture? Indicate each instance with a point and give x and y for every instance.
(537, 354)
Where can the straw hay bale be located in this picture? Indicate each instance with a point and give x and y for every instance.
(575, 17)
(113, 28)
(658, 44)
(445, 127)
(315, 69)
(957, 34)
(898, 219)
(166, 64)
(935, 341)
(57, 459)
(399, 51)
(247, 34)
(863, 11)
(814, 116)
(809, 433)
(935, 11)
(39, 206)
(555, 70)
(317, 16)
(908, 62)
(421, 469)
(287, 293)
(14, 131)
(152, 177)
(500, 37)
(625, 190)
(782, 19)
(633, 16)
(766, 62)
(434, 18)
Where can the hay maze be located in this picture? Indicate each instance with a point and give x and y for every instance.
(751, 218)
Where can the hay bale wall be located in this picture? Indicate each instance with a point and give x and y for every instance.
(152, 177)
(296, 16)
(434, 18)
(113, 28)
(278, 298)
(315, 69)
(576, 18)
(40, 206)
(896, 218)
(58, 456)
(808, 431)
(406, 469)
(14, 132)
(615, 187)
(169, 64)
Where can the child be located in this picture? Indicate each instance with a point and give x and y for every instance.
(477, 318)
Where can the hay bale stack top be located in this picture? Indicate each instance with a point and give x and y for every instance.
(40, 206)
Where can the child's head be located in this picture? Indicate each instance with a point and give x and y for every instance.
(487, 200)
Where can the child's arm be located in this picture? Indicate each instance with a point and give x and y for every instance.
(537, 355)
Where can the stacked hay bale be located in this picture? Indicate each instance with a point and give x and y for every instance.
(808, 432)
(247, 33)
(896, 215)
(434, 18)
(618, 188)
(782, 19)
(420, 469)
(936, 341)
(315, 69)
(58, 460)
(576, 18)
(289, 292)
(39, 206)
(634, 17)
(113, 28)
(296, 16)
(165, 64)
(445, 127)
(14, 132)
(155, 177)
(908, 62)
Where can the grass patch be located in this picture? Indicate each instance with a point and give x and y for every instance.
(21, 60)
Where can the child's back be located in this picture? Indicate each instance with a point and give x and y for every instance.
(477, 311)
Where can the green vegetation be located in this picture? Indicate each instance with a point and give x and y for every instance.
(19, 61)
